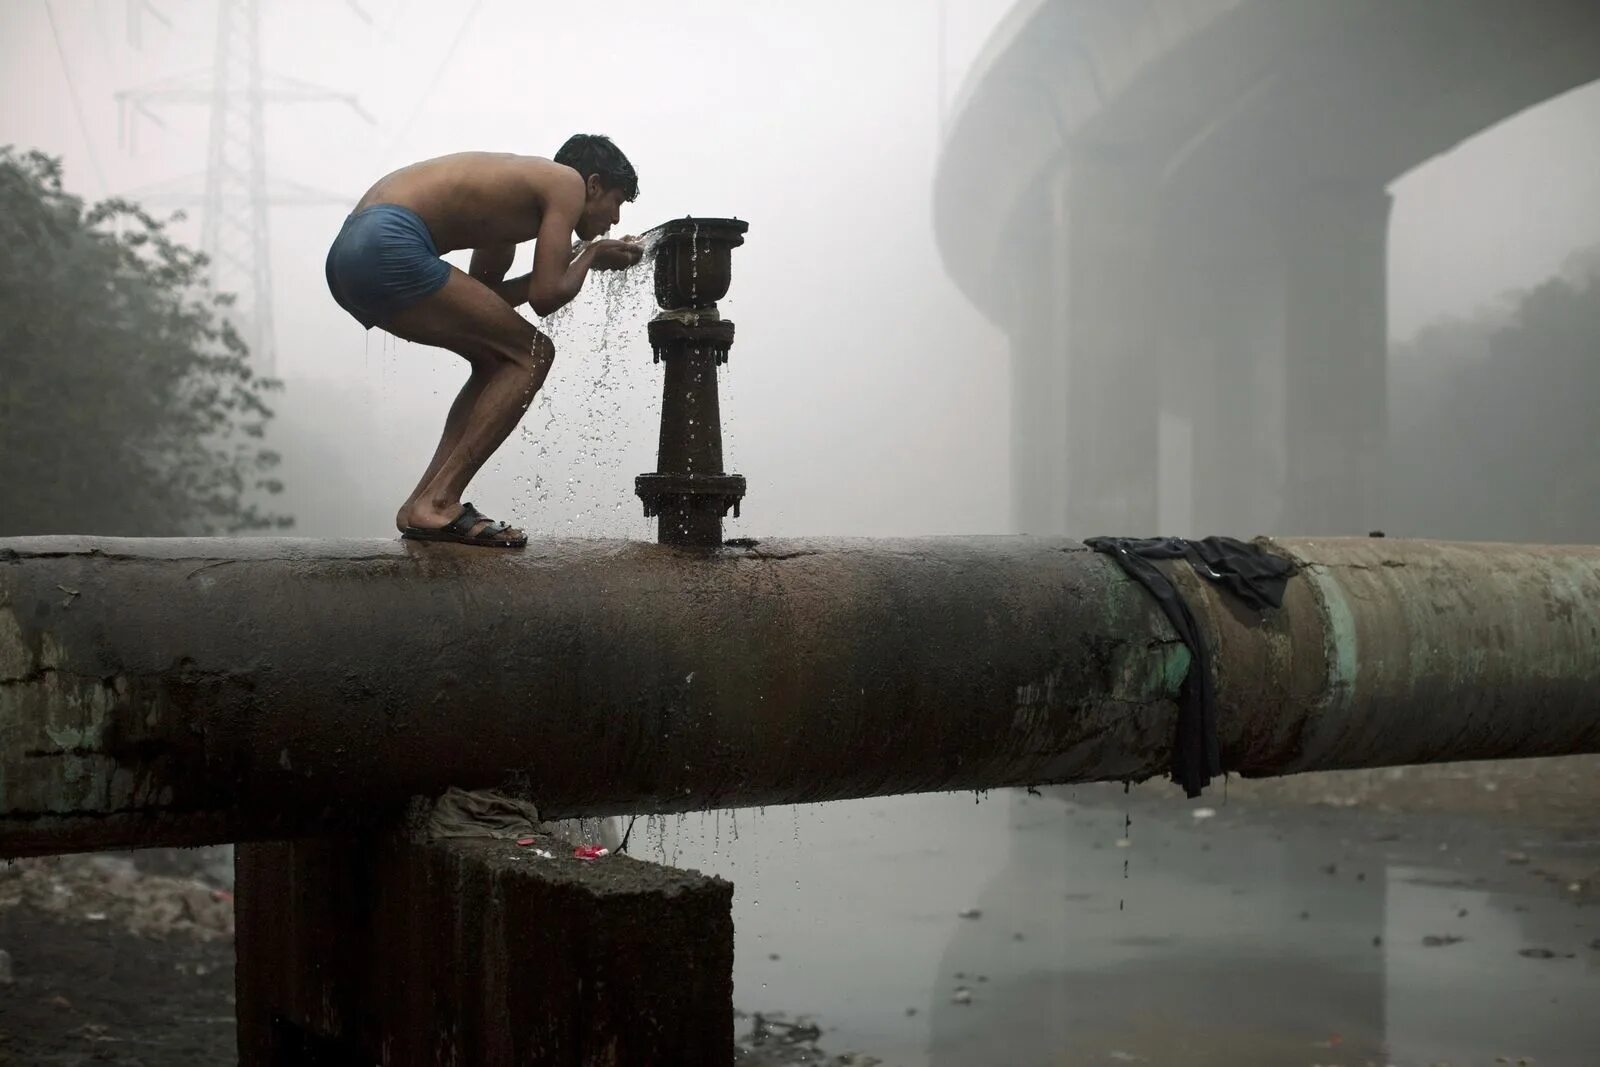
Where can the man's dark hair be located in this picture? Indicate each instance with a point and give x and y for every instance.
(593, 153)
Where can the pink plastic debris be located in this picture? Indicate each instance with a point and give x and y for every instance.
(525, 841)
(590, 852)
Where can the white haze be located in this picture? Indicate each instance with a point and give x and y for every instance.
(864, 396)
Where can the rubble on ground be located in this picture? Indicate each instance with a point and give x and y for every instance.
(113, 889)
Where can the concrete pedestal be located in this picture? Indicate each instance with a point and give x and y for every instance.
(397, 951)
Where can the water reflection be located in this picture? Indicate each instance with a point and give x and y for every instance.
(1252, 936)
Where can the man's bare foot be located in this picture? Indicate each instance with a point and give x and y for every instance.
(465, 525)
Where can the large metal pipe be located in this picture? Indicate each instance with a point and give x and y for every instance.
(180, 692)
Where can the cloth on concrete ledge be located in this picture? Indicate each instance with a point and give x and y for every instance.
(481, 813)
(491, 813)
(1248, 572)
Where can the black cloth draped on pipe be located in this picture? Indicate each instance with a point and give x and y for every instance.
(1248, 572)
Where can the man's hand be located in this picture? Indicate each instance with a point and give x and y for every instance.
(616, 255)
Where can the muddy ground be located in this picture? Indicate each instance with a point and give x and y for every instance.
(109, 963)
(127, 959)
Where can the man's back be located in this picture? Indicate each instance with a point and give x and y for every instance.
(475, 199)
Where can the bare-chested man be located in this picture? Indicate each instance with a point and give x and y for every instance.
(384, 269)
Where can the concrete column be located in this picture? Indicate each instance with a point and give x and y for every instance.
(1113, 376)
(1335, 246)
(1038, 372)
(398, 951)
(1223, 352)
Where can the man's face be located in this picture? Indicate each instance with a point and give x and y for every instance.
(602, 210)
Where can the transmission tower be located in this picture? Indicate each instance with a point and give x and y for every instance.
(137, 9)
(235, 188)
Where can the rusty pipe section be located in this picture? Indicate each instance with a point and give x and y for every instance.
(1392, 652)
(181, 692)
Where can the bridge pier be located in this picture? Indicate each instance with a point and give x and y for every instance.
(1224, 355)
(1112, 285)
(1335, 250)
(1038, 370)
(1219, 133)
(1271, 314)
(1227, 348)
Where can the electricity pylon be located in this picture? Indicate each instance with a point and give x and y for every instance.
(235, 190)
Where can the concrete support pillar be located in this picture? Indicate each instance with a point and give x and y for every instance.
(1113, 374)
(1039, 374)
(401, 952)
(1335, 243)
(1223, 352)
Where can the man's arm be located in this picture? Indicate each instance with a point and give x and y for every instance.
(489, 266)
(557, 274)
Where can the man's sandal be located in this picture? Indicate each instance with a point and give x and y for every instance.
(459, 531)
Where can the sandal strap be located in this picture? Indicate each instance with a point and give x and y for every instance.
(463, 523)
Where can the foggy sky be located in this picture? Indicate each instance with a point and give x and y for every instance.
(864, 396)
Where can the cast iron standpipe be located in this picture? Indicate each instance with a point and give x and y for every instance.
(689, 491)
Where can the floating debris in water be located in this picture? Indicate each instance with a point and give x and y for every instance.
(1544, 954)
(970, 913)
(774, 1041)
(1438, 940)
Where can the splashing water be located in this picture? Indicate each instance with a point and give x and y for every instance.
(594, 416)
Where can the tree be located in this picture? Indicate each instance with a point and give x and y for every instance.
(127, 404)
(1493, 419)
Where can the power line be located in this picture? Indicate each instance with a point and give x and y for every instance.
(395, 16)
(433, 83)
(77, 101)
(943, 50)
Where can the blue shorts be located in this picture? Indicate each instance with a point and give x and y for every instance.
(383, 261)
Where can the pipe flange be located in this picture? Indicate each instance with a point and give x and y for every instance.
(708, 491)
(672, 337)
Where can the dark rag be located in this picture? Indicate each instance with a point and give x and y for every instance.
(1248, 572)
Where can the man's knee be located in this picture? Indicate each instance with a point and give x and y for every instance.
(541, 350)
(532, 353)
